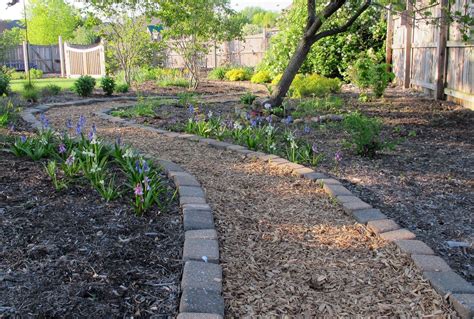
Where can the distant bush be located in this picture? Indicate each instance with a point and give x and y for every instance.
(248, 98)
(108, 85)
(277, 79)
(240, 74)
(367, 74)
(4, 84)
(121, 88)
(261, 77)
(364, 134)
(51, 89)
(36, 74)
(313, 85)
(84, 86)
(218, 73)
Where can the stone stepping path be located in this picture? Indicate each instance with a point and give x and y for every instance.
(285, 246)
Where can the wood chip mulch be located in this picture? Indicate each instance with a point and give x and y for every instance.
(286, 248)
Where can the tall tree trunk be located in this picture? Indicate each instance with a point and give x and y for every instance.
(291, 70)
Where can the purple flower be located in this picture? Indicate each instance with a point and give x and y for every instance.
(338, 156)
(78, 128)
(62, 148)
(306, 129)
(288, 120)
(146, 181)
(69, 123)
(269, 119)
(314, 148)
(138, 190)
(82, 120)
(44, 120)
(191, 109)
(137, 167)
(23, 138)
(70, 160)
(91, 135)
(146, 168)
(247, 116)
(253, 123)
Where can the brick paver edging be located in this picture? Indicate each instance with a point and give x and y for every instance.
(442, 278)
(201, 282)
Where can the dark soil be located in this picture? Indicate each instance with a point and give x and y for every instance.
(70, 254)
(426, 183)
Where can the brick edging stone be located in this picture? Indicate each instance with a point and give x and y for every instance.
(201, 282)
(442, 278)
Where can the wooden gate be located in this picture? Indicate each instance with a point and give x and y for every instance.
(84, 60)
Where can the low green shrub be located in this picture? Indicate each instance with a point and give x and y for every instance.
(36, 74)
(18, 75)
(51, 89)
(315, 106)
(30, 93)
(261, 77)
(143, 108)
(8, 112)
(108, 85)
(84, 86)
(248, 98)
(218, 73)
(364, 134)
(121, 88)
(368, 74)
(4, 84)
(240, 74)
(313, 85)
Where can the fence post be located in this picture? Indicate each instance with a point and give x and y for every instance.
(26, 58)
(102, 58)
(389, 40)
(408, 39)
(441, 51)
(61, 55)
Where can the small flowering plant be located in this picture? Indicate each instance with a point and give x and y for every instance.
(51, 170)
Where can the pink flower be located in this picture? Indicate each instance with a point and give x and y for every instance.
(138, 190)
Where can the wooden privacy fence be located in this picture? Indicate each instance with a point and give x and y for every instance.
(247, 52)
(432, 56)
(66, 59)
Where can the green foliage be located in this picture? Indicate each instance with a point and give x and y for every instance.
(84, 35)
(51, 89)
(51, 170)
(240, 74)
(256, 16)
(248, 98)
(218, 73)
(8, 112)
(108, 85)
(143, 108)
(329, 56)
(36, 74)
(4, 84)
(84, 85)
(35, 147)
(364, 134)
(261, 77)
(313, 85)
(30, 93)
(8, 40)
(367, 73)
(49, 19)
(316, 106)
(121, 88)
(186, 98)
(193, 24)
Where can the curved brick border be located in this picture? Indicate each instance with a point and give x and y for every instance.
(201, 296)
(201, 283)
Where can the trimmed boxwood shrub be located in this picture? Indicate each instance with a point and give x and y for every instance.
(84, 86)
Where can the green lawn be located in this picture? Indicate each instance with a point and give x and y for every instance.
(17, 85)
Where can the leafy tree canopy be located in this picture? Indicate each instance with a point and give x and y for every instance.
(49, 19)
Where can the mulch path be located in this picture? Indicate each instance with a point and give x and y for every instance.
(70, 254)
(286, 248)
(426, 183)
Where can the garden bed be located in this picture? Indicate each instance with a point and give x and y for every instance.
(424, 183)
(70, 253)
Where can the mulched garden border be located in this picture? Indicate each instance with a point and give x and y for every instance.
(444, 280)
(201, 282)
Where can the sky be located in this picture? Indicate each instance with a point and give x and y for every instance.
(15, 12)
